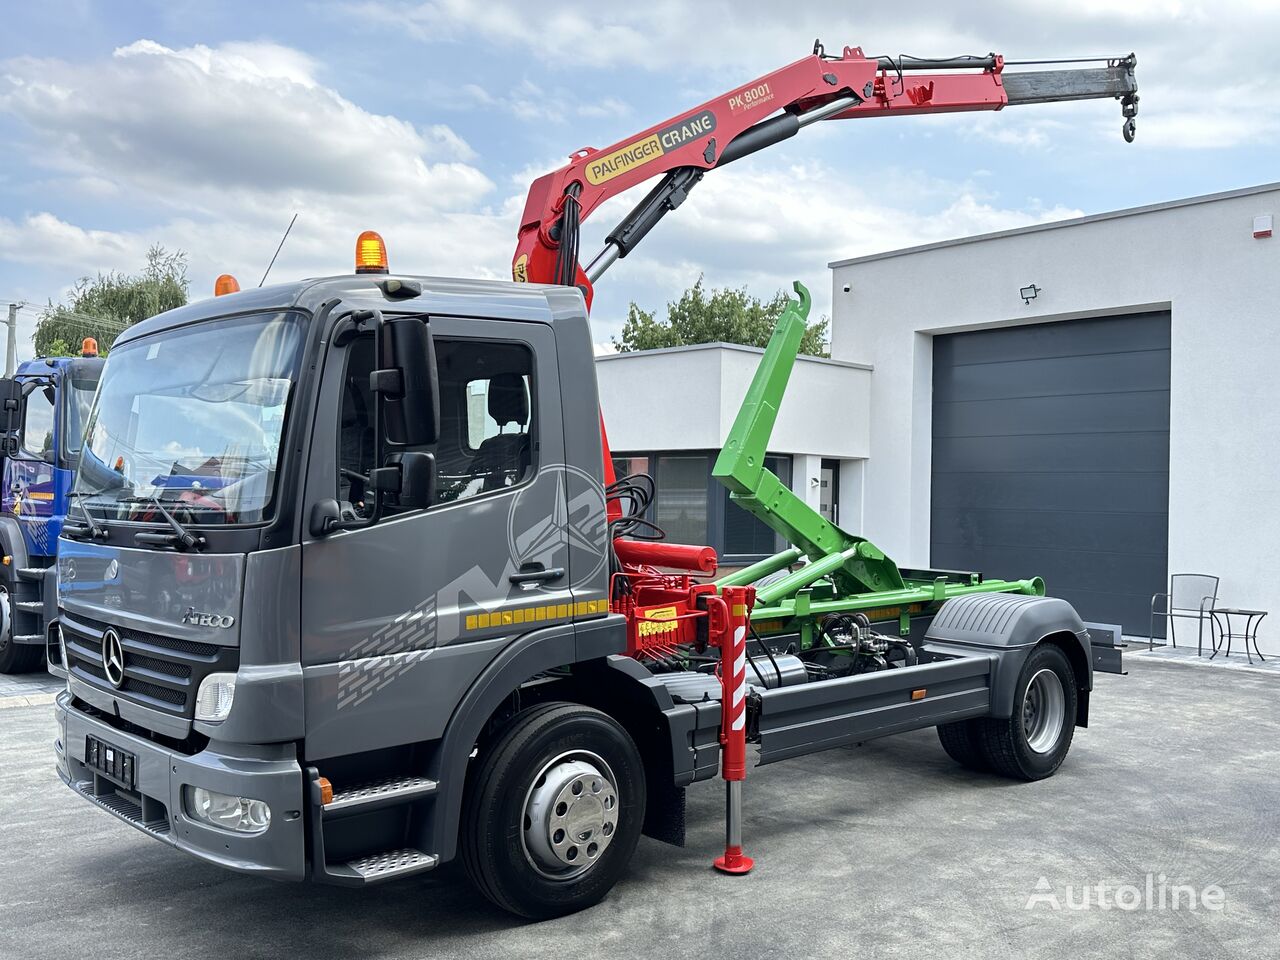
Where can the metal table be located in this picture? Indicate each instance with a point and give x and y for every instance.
(1250, 632)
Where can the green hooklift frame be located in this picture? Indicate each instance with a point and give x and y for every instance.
(845, 573)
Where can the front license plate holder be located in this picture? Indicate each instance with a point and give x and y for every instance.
(118, 766)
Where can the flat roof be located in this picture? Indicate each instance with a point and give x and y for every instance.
(1058, 224)
(722, 345)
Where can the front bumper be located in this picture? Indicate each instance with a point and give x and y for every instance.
(155, 805)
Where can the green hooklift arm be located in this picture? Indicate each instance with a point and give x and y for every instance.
(856, 564)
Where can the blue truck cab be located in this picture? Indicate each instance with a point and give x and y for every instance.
(44, 409)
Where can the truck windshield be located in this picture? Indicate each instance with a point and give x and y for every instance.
(192, 417)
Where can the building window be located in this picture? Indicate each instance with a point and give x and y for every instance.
(693, 508)
(681, 507)
(744, 535)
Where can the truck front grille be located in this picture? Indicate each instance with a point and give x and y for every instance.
(160, 672)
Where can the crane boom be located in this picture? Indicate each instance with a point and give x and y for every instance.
(765, 111)
(758, 114)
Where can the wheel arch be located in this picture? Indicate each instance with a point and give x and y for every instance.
(511, 672)
(1009, 627)
(14, 545)
(677, 742)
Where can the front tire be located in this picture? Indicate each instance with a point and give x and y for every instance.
(1034, 741)
(554, 811)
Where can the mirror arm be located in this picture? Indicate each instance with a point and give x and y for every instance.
(323, 521)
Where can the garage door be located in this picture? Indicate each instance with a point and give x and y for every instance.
(1051, 459)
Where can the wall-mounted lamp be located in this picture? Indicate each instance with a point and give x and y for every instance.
(814, 481)
(1029, 293)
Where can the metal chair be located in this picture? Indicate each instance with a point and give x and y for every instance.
(1191, 596)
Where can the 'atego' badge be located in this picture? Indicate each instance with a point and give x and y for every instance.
(197, 619)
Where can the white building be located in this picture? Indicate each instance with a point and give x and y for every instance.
(1091, 401)
(668, 412)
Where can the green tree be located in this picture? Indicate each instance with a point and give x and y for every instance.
(727, 315)
(103, 306)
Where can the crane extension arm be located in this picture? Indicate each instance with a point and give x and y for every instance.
(742, 121)
(739, 123)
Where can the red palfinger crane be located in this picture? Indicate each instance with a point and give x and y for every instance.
(765, 111)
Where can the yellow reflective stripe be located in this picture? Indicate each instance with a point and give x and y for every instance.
(538, 614)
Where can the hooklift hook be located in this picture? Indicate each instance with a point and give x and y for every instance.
(803, 293)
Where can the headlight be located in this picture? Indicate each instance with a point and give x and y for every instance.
(214, 698)
(238, 814)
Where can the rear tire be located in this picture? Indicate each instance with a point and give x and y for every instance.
(553, 812)
(1034, 741)
(963, 742)
(14, 657)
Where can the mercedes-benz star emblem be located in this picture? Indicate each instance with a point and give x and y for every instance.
(113, 657)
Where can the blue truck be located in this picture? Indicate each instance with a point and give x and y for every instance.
(44, 409)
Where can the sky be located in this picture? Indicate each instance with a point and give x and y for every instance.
(205, 127)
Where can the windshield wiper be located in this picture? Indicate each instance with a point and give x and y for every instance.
(181, 539)
(90, 530)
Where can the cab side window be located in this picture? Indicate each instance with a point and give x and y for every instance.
(37, 424)
(487, 419)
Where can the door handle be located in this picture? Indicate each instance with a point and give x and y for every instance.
(537, 576)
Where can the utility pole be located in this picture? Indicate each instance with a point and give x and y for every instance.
(11, 355)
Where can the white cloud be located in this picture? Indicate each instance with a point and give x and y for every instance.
(43, 239)
(187, 124)
(1185, 47)
(212, 149)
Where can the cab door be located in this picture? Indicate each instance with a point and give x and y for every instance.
(400, 617)
(30, 478)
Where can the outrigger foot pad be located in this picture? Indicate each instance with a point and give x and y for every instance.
(734, 862)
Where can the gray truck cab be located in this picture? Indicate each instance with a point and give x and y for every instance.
(207, 683)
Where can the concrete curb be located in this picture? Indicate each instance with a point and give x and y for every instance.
(1153, 656)
(34, 700)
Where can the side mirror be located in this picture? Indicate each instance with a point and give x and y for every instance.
(408, 481)
(10, 405)
(408, 382)
(417, 479)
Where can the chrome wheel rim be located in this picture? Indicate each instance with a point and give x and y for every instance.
(1043, 707)
(570, 815)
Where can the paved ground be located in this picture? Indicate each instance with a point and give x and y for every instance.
(1235, 660)
(885, 851)
(28, 689)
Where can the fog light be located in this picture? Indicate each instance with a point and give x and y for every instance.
(238, 814)
(214, 698)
